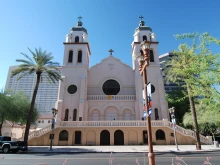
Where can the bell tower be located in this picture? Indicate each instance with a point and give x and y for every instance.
(73, 89)
(76, 47)
(160, 106)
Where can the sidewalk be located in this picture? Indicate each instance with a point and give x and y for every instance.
(118, 149)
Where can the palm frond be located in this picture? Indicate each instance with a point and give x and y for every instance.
(41, 62)
(29, 58)
(24, 61)
(19, 70)
(53, 75)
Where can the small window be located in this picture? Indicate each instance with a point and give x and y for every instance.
(79, 60)
(70, 60)
(160, 135)
(77, 39)
(151, 56)
(72, 89)
(48, 121)
(74, 114)
(63, 136)
(156, 114)
(66, 115)
(144, 38)
(38, 121)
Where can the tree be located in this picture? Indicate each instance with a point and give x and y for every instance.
(42, 65)
(4, 106)
(14, 107)
(179, 100)
(198, 67)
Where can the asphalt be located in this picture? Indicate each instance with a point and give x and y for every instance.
(119, 149)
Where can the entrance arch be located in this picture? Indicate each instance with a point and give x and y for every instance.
(104, 138)
(118, 137)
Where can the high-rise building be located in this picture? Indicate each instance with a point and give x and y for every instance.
(47, 92)
(168, 86)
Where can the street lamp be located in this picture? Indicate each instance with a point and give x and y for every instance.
(172, 114)
(54, 112)
(144, 61)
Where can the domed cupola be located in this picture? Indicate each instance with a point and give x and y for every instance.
(77, 33)
(79, 26)
(142, 25)
(143, 32)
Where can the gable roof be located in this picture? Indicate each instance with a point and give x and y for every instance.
(109, 57)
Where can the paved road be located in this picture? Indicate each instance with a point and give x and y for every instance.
(190, 158)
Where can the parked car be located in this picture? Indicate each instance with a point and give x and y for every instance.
(6, 145)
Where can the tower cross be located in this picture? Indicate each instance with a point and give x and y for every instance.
(141, 17)
(111, 51)
(79, 18)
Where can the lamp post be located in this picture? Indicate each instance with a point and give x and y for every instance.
(144, 61)
(172, 114)
(54, 112)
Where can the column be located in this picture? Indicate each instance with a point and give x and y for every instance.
(140, 136)
(70, 138)
(102, 117)
(111, 137)
(97, 132)
(56, 137)
(82, 95)
(153, 131)
(83, 137)
(125, 137)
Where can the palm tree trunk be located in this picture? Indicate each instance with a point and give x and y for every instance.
(1, 129)
(30, 114)
(1, 124)
(194, 118)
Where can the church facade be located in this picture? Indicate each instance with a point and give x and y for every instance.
(103, 105)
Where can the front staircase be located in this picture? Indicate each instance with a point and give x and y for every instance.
(123, 123)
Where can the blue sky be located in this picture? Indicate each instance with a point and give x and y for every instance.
(110, 24)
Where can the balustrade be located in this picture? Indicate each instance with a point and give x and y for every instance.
(119, 123)
(111, 97)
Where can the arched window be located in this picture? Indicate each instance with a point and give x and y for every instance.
(156, 114)
(160, 135)
(70, 59)
(77, 39)
(144, 38)
(79, 60)
(66, 115)
(63, 136)
(74, 114)
(151, 56)
(141, 52)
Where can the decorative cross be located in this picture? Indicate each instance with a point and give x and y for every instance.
(111, 51)
(79, 18)
(141, 17)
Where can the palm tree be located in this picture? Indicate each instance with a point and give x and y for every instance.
(41, 62)
(184, 69)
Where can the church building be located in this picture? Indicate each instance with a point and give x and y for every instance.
(103, 105)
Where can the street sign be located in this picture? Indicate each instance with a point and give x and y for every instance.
(150, 111)
(145, 113)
